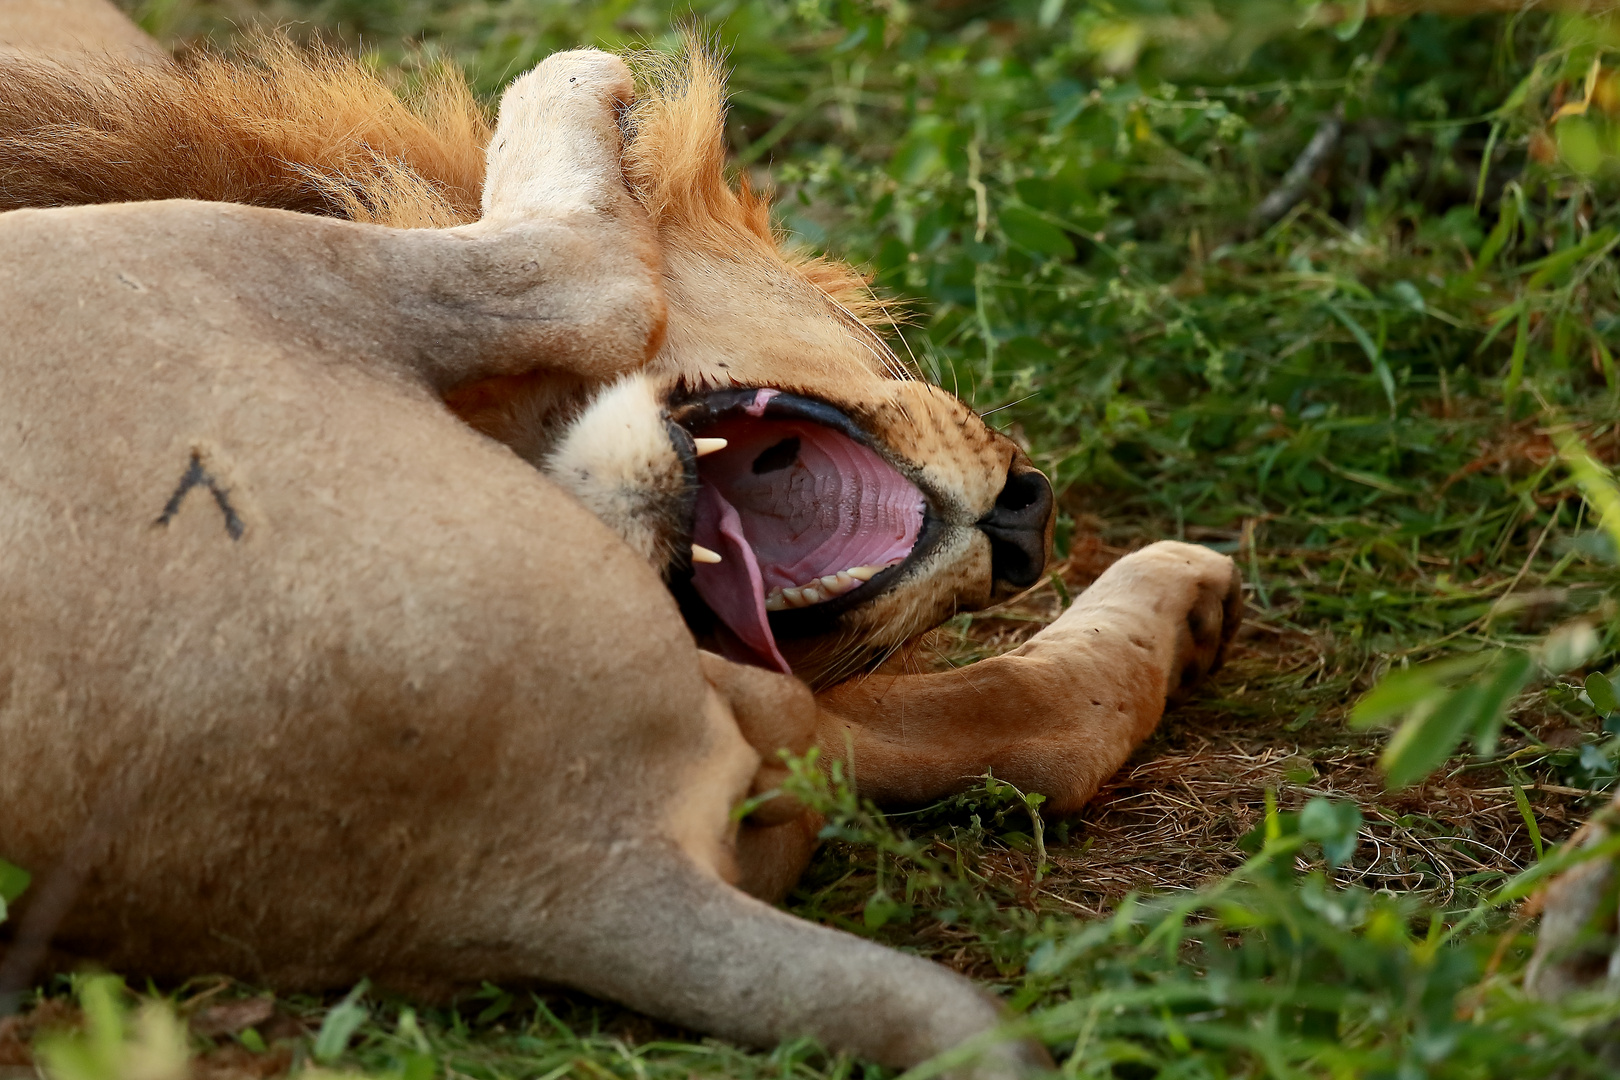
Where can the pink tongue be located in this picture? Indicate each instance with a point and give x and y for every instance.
(733, 587)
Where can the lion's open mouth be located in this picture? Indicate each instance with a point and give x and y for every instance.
(801, 513)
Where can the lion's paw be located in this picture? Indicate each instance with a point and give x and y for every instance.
(1199, 592)
(633, 468)
(1214, 611)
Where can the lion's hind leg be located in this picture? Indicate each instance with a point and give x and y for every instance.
(555, 160)
(554, 181)
(672, 940)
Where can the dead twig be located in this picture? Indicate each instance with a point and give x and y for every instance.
(1298, 177)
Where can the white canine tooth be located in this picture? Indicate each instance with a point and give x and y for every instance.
(708, 446)
(793, 597)
(701, 554)
(863, 573)
(830, 586)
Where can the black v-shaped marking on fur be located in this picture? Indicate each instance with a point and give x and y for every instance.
(195, 475)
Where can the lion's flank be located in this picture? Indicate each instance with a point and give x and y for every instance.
(319, 132)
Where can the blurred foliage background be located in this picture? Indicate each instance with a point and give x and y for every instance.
(1328, 286)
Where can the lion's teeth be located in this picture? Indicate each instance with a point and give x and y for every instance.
(701, 554)
(819, 589)
(708, 446)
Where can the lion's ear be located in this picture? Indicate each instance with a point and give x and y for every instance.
(633, 468)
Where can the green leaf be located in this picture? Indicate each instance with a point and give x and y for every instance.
(1578, 145)
(1375, 355)
(495, 1009)
(1335, 825)
(1408, 294)
(1439, 719)
(1499, 322)
(1521, 347)
(880, 910)
(1032, 232)
(1514, 671)
(1601, 691)
(1430, 735)
(1406, 689)
(341, 1022)
(1507, 221)
(1544, 271)
(920, 154)
(419, 1066)
(1596, 482)
(13, 880)
(1529, 817)
(1351, 26)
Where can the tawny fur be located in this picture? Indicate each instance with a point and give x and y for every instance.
(675, 162)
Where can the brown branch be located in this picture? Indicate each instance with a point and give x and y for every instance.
(1298, 177)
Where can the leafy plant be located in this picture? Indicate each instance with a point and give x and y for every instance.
(150, 1045)
(1446, 701)
(14, 880)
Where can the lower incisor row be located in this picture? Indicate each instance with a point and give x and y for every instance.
(823, 588)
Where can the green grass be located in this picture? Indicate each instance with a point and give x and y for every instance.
(1362, 401)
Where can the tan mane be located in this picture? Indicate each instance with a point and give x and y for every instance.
(308, 130)
(675, 162)
(317, 131)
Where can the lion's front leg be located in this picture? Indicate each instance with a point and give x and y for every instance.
(1062, 712)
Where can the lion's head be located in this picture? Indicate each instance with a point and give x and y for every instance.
(851, 506)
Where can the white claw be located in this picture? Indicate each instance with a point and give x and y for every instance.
(708, 446)
(701, 554)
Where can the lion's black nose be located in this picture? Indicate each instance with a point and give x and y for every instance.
(1019, 526)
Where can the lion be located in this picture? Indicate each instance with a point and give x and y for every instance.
(418, 550)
